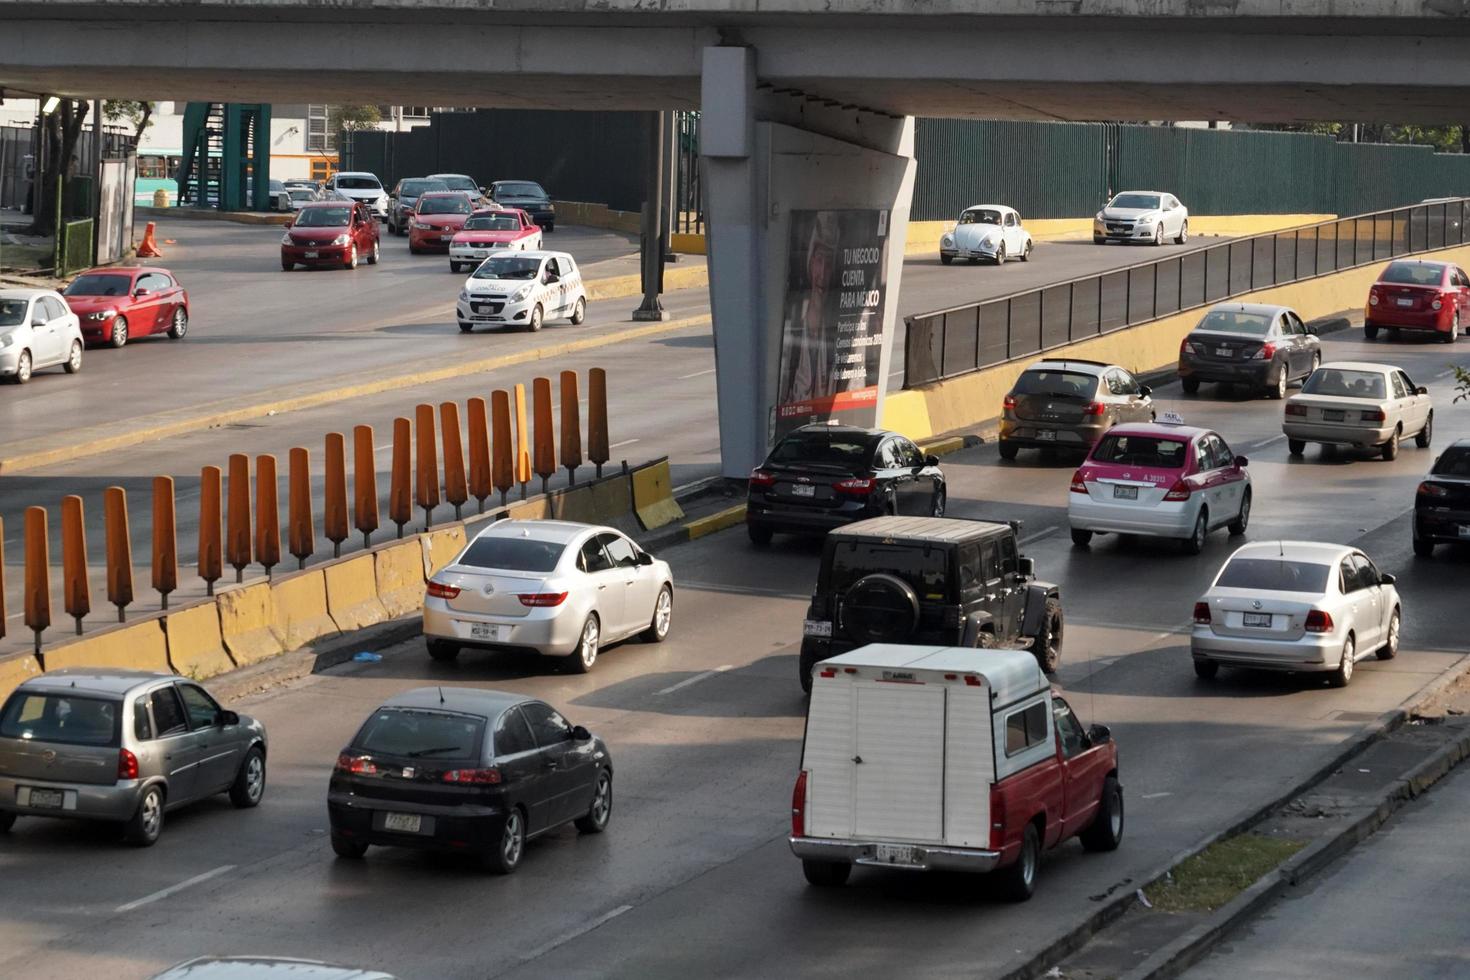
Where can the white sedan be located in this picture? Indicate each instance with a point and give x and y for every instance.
(550, 587)
(1296, 606)
(992, 232)
(1355, 403)
(37, 330)
(1151, 217)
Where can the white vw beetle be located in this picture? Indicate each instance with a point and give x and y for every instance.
(992, 232)
(524, 289)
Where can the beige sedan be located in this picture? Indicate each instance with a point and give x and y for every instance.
(1355, 403)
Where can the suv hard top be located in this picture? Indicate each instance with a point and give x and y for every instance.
(928, 580)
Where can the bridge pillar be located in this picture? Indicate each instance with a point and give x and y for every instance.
(807, 208)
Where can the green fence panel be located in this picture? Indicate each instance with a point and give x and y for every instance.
(1044, 170)
(73, 246)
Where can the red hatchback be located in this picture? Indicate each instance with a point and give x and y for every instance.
(119, 303)
(332, 233)
(1413, 294)
(436, 219)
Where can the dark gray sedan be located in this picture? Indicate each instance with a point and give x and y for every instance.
(1262, 347)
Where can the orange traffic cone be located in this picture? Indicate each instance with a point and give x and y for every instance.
(149, 249)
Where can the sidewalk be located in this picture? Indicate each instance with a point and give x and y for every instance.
(20, 250)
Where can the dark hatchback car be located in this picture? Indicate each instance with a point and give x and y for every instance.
(466, 770)
(819, 477)
(527, 196)
(1442, 505)
(1069, 404)
(405, 197)
(1252, 344)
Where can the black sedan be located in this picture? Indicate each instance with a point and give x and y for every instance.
(819, 477)
(528, 196)
(467, 770)
(1442, 505)
(1256, 345)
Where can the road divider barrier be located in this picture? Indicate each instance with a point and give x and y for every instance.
(245, 620)
(299, 609)
(38, 573)
(136, 646)
(364, 484)
(456, 486)
(571, 425)
(334, 504)
(543, 459)
(300, 529)
(440, 548)
(237, 517)
(267, 514)
(196, 648)
(352, 593)
(653, 496)
(76, 593)
(119, 553)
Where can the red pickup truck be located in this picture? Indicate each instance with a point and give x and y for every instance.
(940, 758)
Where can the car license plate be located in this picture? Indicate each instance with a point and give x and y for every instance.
(1224, 352)
(47, 799)
(1465, 530)
(446, 238)
(1332, 415)
(1404, 302)
(897, 854)
(484, 631)
(803, 490)
(1258, 619)
(1125, 493)
(403, 823)
(816, 627)
(311, 255)
(1045, 435)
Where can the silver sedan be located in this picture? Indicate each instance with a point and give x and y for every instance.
(550, 587)
(1296, 606)
(1355, 403)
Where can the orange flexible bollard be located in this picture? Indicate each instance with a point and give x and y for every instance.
(148, 247)
(479, 426)
(364, 483)
(598, 451)
(334, 512)
(543, 439)
(571, 426)
(400, 489)
(165, 539)
(211, 543)
(237, 517)
(120, 549)
(267, 514)
(38, 573)
(426, 463)
(3, 617)
(523, 450)
(456, 490)
(76, 592)
(502, 469)
(300, 528)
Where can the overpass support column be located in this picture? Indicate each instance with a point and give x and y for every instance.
(807, 207)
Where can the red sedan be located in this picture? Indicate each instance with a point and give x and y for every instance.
(436, 218)
(331, 233)
(492, 232)
(119, 303)
(1413, 294)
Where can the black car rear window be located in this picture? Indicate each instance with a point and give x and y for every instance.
(924, 568)
(1413, 273)
(1057, 384)
(417, 733)
(514, 554)
(1454, 462)
(1235, 321)
(64, 718)
(846, 451)
(1274, 575)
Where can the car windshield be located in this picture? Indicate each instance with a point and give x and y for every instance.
(1346, 384)
(358, 184)
(323, 217)
(64, 718)
(1141, 451)
(301, 194)
(413, 188)
(493, 222)
(508, 267)
(104, 285)
(455, 204)
(519, 188)
(1274, 575)
(980, 216)
(1413, 273)
(844, 451)
(1142, 202)
(1234, 321)
(513, 554)
(1454, 462)
(461, 184)
(1056, 384)
(419, 734)
(13, 312)
(924, 568)
(276, 185)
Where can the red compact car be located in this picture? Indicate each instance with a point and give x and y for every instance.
(436, 219)
(119, 303)
(1413, 294)
(330, 233)
(492, 232)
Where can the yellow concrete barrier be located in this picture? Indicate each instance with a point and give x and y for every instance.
(246, 615)
(441, 547)
(575, 505)
(612, 499)
(15, 670)
(352, 593)
(716, 522)
(907, 412)
(535, 509)
(299, 609)
(140, 646)
(597, 216)
(688, 244)
(195, 646)
(399, 569)
(621, 287)
(653, 496)
(923, 236)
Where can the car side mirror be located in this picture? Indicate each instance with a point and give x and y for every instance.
(1311, 330)
(142, 292)
(228, 718)
(1144, 391)
(1421, 390)
(1386, 578)
(644, 558)
(1241, 462)
(1100, 734)
(39, 321)
(1026, 567)
(580, 734)
(931, 460)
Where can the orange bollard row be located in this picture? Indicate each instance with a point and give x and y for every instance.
(364, 484)
(502, 469)
(571, 426)
(267, 514)
(426, 463)
(598, 451)
(300, 529)
(400, 490)
(544, 440)
(165, 539)
(456, 490)
(479, 425)
(120, 549)
(76, 592)
(237, 516)
(523, 451)
(38, 573)
(334, 514)
(211, 545)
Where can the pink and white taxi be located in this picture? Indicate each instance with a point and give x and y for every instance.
(492, 232)
(1161, 479)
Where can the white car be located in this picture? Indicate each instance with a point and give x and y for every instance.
(992, 232)
(1296, 606)
(358, 186)
(1142, 216)
(550, 587)
(523, 289)
(1355, 403)
(37, 330)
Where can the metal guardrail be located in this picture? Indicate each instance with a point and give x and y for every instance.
(950, 342)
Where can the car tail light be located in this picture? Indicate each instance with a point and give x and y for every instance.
(762, 478)
(1187, 346)
(1318, 621)
(1432, 490)
(127, 765)
(1079, 485)
(1437, 304)
(542, 598)
(356, 765)
(1373, 297)
(472, 777)
(1293, 409)
(798, 806)
(1010, 403)
(1096, 408)
(858, 486)
(1202, 613)
(1180, 490)
(997, 818)
(1373, 415)
(441, 591)
(1267, 351)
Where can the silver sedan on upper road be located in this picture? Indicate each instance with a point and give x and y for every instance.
(1354, 403)
(1151, 217)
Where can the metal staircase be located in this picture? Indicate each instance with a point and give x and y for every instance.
(226, 156)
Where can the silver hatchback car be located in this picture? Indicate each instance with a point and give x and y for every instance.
(122, 746)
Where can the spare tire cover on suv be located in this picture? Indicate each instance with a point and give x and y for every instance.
(880, 608)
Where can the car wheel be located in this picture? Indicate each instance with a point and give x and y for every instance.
(1000, 254)
(505, 856)
(759, 536)
(579, 312)
(1099, 240)
(249, 786)
(1316, 363)
(663, 617)
(1278, 390)
(147, 821)
(1243, 519)
(7, 820)
(1421, 439)
(1159, 234)
(826, 874)
(1026, 252)
(585, 654)
(1296, 446)
(22, 369)
(74, 358)
(1008, 449)
(465, 327)
(1206, 670)
(1370, 331)
(119, 335)
(1190, 385)
(1423, 548)
(372, 258)
(946, 259)
(414, 249)
(1106, 830)
(1390, 649)
(344, 847)
(600, 812)
(1183, 233)
(453, 266)
(537, 315)
(1454, 331)
(180, 324)
(1195, 543)
(351, 260)
(442, 651)
(1046, 646)
(940, 501)
(1343, 675)
(1018, 881)
(1081, 538)
(1390, 449)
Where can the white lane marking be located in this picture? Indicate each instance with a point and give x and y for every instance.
(1136, 627)
(743, 590)
(175, 889)
(562, 940)
(625, 442)
(1154, 796)
(696, 374)
(703, 676)
(1272, 441)
(1038, 535)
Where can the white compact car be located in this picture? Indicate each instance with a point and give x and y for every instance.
(37, 330)
(992, 232)
(1152, 217)
(1355, 403)
(358, 186)
(550, 587)
(1296, 606)
(524, 289)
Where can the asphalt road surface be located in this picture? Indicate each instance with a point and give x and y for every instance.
(694, 877)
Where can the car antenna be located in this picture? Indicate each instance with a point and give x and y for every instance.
(441, 695)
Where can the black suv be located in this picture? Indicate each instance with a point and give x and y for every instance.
(929, 580)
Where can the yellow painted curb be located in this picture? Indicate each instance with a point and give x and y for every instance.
(441, 547)
(923, 236)
(16, 669)
(245, 619)
(943, 447)
(209, 214)
(140, 646)
(299, 609)
(716, 522)
(399, 570)
(618, 287)
(352, 593)
(195, 646)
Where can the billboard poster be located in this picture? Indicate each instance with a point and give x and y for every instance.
(832, 318)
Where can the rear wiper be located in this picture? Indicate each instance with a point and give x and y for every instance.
(434, 751)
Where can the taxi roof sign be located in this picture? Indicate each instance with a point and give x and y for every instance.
(1170, 418)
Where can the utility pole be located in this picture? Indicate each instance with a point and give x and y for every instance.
(653, 203)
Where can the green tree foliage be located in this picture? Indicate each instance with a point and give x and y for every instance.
(1462, 384)
(138, 114)
(355, 118)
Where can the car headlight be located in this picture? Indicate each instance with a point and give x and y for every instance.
(341, 240)
(286, 238)
(947, 241)
(1099, 217)
(551, 207)
(6, 339)
(520, 294)
(1146, 219)
(464, 295)
(102, 315)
